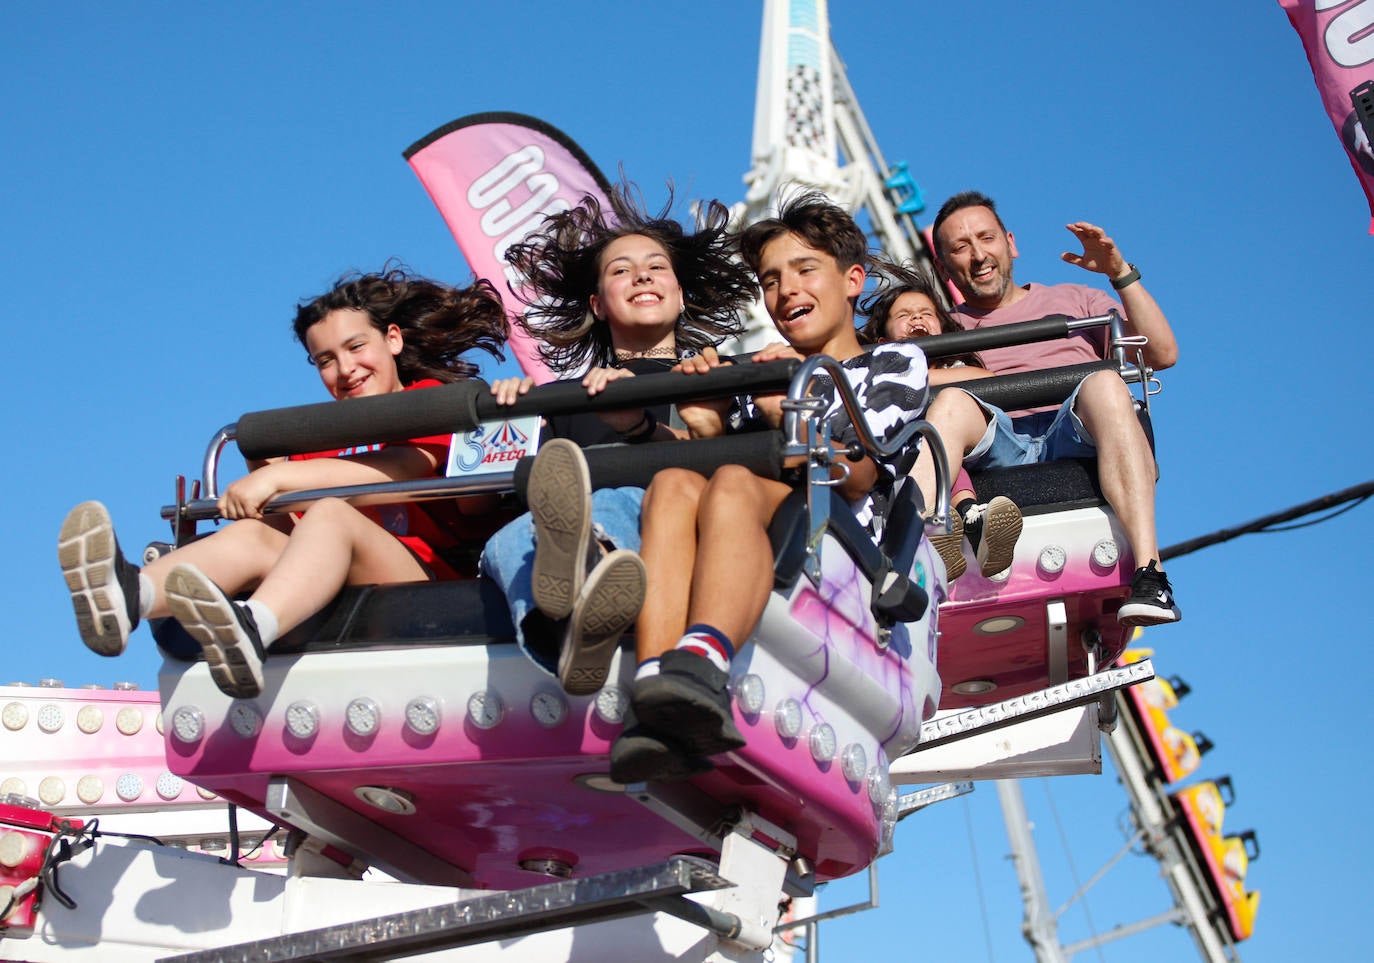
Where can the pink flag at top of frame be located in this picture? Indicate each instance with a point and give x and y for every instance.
(495, 177)
(1338, 36)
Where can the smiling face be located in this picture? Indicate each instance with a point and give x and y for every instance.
(913, 315)
(637, 291)
(354, 358)
(976, 253)
(809, 296)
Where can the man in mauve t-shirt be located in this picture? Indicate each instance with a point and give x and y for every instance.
(975, 252)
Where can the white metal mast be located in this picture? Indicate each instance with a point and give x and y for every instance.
(809, 132)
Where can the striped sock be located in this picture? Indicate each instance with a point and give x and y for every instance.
(647, 669)
(708, 642)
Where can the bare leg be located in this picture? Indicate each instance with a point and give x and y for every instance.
(960, 422)
(236, 558)
(333, 545)
(668, 529)
(1125, 466)
(734, 565)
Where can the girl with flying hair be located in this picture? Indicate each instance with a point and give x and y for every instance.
(907, 306)
(613, 292)
(370, 334)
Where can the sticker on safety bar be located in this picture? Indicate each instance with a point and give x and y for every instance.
(493, 446)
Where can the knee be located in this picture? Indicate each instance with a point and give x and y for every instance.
(333, 512)
(1103, 394)
(674, 485)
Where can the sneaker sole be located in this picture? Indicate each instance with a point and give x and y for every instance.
(1139, 616)
(1001, 529)
(86, 550)
(639, 756)
(208, 617)
(696, 722)
(607, 605)
(951, 548)
(559, 495)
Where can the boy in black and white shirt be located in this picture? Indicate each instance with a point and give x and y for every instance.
(705, 542)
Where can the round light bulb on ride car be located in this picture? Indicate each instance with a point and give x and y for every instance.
(129, 786)
(89, 789)
(89, 719)
(879, 784)
(853, 762)
(485, 709)
(548, 708)
(129, 720)
(303, 719)
(1052, 559)
(1106, 553)
(423, 716)
(749, 693)
(245, 718)
(188, 724)
(362, 716)
(15, 716)
(50, 718)
(51, 790)
(787, 718)
(611, 703)
(822, 742)
(168, 785)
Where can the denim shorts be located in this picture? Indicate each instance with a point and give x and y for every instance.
(1031, 439)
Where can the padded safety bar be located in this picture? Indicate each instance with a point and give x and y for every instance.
(1050, 328)
(462, 405)
(1030, 389)
(613, 466)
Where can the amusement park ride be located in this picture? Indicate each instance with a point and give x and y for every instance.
(403, 735)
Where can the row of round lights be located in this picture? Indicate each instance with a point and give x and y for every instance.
(90, 789)
(423, 715)
(822, 742)
(90, 719)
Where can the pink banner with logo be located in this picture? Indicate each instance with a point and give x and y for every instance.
(494, 178)
(1338, 36)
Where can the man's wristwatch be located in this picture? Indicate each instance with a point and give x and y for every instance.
(1127, 279)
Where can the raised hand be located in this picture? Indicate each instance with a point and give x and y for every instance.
(1100, 254)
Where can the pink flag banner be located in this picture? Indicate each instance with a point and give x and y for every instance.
(495, 177)
(1338, 36)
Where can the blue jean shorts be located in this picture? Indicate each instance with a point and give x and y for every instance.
(1031, 439)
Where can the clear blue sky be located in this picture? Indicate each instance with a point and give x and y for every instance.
(176, 176)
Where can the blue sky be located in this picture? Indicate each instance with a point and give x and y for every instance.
(177, 176)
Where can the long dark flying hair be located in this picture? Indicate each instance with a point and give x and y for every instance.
(561, 264)
(896, 280)
(438, 323)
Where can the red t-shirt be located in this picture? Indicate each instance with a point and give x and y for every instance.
(428, 529)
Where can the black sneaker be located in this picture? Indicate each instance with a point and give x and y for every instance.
(607, 605)
(103, 584)
(560, 499)
(225, 630)
(639, 755)
(992, 531)
(689, 699)
(1151, 601)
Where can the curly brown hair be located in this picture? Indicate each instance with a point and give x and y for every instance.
(561, 265)
(438, 323)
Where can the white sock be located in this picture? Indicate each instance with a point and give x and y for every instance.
(147, 595)
(266, 619)
(647, 670)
